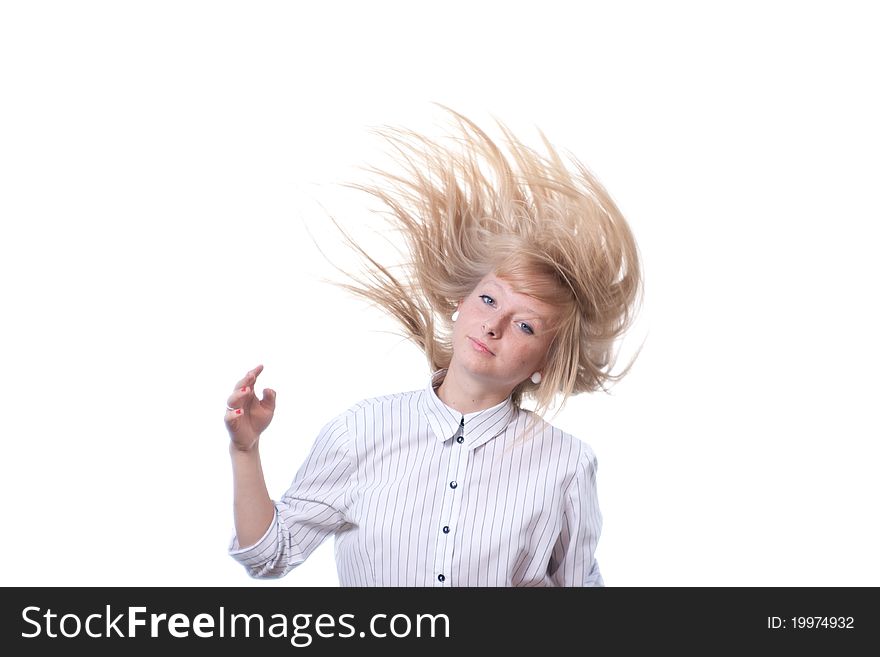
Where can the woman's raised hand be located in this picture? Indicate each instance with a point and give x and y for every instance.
(249, 416)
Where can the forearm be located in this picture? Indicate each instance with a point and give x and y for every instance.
(252, 507)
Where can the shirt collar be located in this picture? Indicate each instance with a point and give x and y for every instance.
(479, 426)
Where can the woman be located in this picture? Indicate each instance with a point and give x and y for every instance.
(524, 274)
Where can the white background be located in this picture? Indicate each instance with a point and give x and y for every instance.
(159, 164)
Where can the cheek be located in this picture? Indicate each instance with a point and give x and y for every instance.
(532, 355)
(524, 356)
(475, 311)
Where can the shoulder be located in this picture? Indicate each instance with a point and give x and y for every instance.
(341, 431)
(373, 406)
(578, 455)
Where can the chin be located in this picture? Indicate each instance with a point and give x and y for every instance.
(486, 370)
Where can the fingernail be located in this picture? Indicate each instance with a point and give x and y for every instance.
(244, 389)
(238, 411)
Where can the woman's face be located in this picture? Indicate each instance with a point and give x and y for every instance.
(501, 336)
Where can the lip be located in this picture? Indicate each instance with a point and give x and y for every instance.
(479, 346)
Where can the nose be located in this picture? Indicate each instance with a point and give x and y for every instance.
(488, 330)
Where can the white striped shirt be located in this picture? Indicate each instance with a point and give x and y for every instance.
(418, 494)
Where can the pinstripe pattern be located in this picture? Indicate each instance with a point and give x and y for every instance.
(387, 477)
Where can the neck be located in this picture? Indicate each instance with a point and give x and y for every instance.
(467, 395)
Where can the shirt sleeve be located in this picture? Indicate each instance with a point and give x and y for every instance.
(573, 561)
(313, 508)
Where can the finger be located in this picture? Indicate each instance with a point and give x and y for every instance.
(241, 398)
(268, 400)
(231, 417)
(250, 377)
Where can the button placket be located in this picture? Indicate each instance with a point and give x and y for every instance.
(462, 453)
(450, 509)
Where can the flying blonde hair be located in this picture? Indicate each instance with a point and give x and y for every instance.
(466, 209)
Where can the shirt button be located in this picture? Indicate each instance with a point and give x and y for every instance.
(460, 439)
(441, 578)
(453, 484)
(446, 529)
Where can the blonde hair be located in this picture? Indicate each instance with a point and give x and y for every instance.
(465, 209)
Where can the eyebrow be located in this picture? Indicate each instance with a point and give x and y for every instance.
(528, 310)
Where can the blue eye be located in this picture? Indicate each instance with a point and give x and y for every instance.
(486, 296)
(527, 328)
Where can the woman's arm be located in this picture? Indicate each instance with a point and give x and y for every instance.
(246, 419)
(573, 562)
(252, 507)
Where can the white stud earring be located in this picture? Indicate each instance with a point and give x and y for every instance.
(455, 316)
(536, 378)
